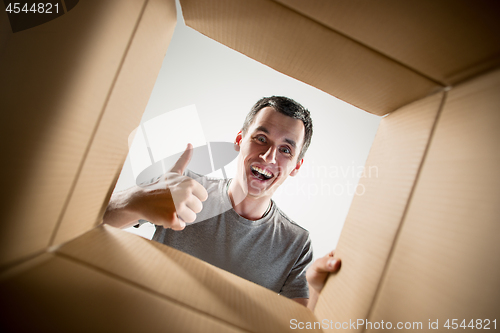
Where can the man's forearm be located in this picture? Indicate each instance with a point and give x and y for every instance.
(313, 298)
(309, 302)
(118, 213)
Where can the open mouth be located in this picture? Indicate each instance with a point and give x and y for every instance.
(261, 173)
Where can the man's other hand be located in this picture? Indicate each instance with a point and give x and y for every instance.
(317, 274)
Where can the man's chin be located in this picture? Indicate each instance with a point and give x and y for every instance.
(258, 189)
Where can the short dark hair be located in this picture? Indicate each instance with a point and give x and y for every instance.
(288, 107)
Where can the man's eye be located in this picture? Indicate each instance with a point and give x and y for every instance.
(261, 139)
(285, 150)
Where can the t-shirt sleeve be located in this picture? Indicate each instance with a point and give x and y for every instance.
(296, 284)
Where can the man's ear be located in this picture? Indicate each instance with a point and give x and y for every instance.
(237, 141)
(297, 167)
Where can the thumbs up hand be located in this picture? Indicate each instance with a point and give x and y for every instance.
(171, 201)
(187, 194)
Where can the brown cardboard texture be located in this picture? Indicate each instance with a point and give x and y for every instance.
(120, 281)
(309, 51)
(444, 40)
(83, 300)
(421, 245)
(375, 217)
(444, 263)
(98, 63)
(129, 96)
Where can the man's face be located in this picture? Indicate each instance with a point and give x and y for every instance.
(269, 152)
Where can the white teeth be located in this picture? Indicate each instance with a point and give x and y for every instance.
(261, 171)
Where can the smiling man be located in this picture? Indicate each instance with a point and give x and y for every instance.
(240, 227)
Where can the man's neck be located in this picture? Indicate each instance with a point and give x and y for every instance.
(246, 206)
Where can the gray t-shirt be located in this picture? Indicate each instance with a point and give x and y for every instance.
(273, 252)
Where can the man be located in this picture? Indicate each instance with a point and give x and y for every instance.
(241, 229)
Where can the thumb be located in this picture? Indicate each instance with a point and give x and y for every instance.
(183, 161)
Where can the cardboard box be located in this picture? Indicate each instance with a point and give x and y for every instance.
(420, 246)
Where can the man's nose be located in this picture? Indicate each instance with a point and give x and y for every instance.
(270, 155)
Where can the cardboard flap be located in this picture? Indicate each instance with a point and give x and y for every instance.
(309, 51)
(184, 280)
(446, 40)
(72, 90)
(62, 295)
(375, 216)
(445, 263)
(125, 106)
